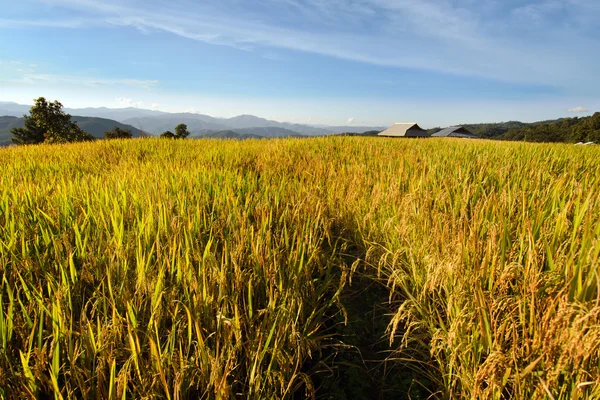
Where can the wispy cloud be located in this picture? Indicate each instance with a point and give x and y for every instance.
(19, 72)
(87, 81)
(487, 39)
(84, 80)
(579, 109)
(27, 74)
(72, 23)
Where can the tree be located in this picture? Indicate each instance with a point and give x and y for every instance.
(57, 126)
(31, 133)
(167, 135)
(594, 134)
(181, 131)
(118, 133)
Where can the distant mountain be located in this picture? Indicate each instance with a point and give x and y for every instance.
(269, 132)
(228, 134)
(367, 133)
(118, 114)
(97, 126)
(258, 132)
(247, 133)
(245, 121)
(250, 121)
(6, 124)
(13, 109)
(360, 129)
(157, 122)
(198, 123)
(94, 126)
(167, 122)
(9, 122)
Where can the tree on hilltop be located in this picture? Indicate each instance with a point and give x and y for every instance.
(30, 133)
(47, 123)
(181, 131)
(118, 133)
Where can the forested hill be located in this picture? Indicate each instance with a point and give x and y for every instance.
(573, 130)
(94, 126)
(494, 130)
(570, 130)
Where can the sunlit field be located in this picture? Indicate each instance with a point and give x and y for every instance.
(329, 268)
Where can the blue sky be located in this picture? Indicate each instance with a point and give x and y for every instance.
(438, 62)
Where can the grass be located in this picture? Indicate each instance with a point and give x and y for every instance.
(330, 267)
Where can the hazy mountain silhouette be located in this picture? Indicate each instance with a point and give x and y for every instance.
(157, 122)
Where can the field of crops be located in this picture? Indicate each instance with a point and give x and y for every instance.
(332, 267)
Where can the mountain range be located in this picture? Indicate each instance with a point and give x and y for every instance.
(250, 132)
(140, 121)
(157, 122)
(93, 125)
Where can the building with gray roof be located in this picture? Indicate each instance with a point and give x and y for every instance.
(455, 131)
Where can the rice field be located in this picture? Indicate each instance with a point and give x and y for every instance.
(326, 268)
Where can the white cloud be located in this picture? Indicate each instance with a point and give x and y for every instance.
(350, 120)
(579, 109)
(34, 78)
(155, 106)
(12, 71)
(127, 102)
(71, 23)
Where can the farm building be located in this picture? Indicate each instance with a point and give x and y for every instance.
(410, 129)
(455, 131)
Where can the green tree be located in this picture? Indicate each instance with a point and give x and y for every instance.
(118, 133)
(579, 133)
(31, 133)
(56, 124)
(167, 135)
(181, 131)
(593, 136)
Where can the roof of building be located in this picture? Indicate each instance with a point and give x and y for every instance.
(455, 131)
(408, 129)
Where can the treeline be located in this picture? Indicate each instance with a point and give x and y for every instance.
(569, 130)
(48, 123)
